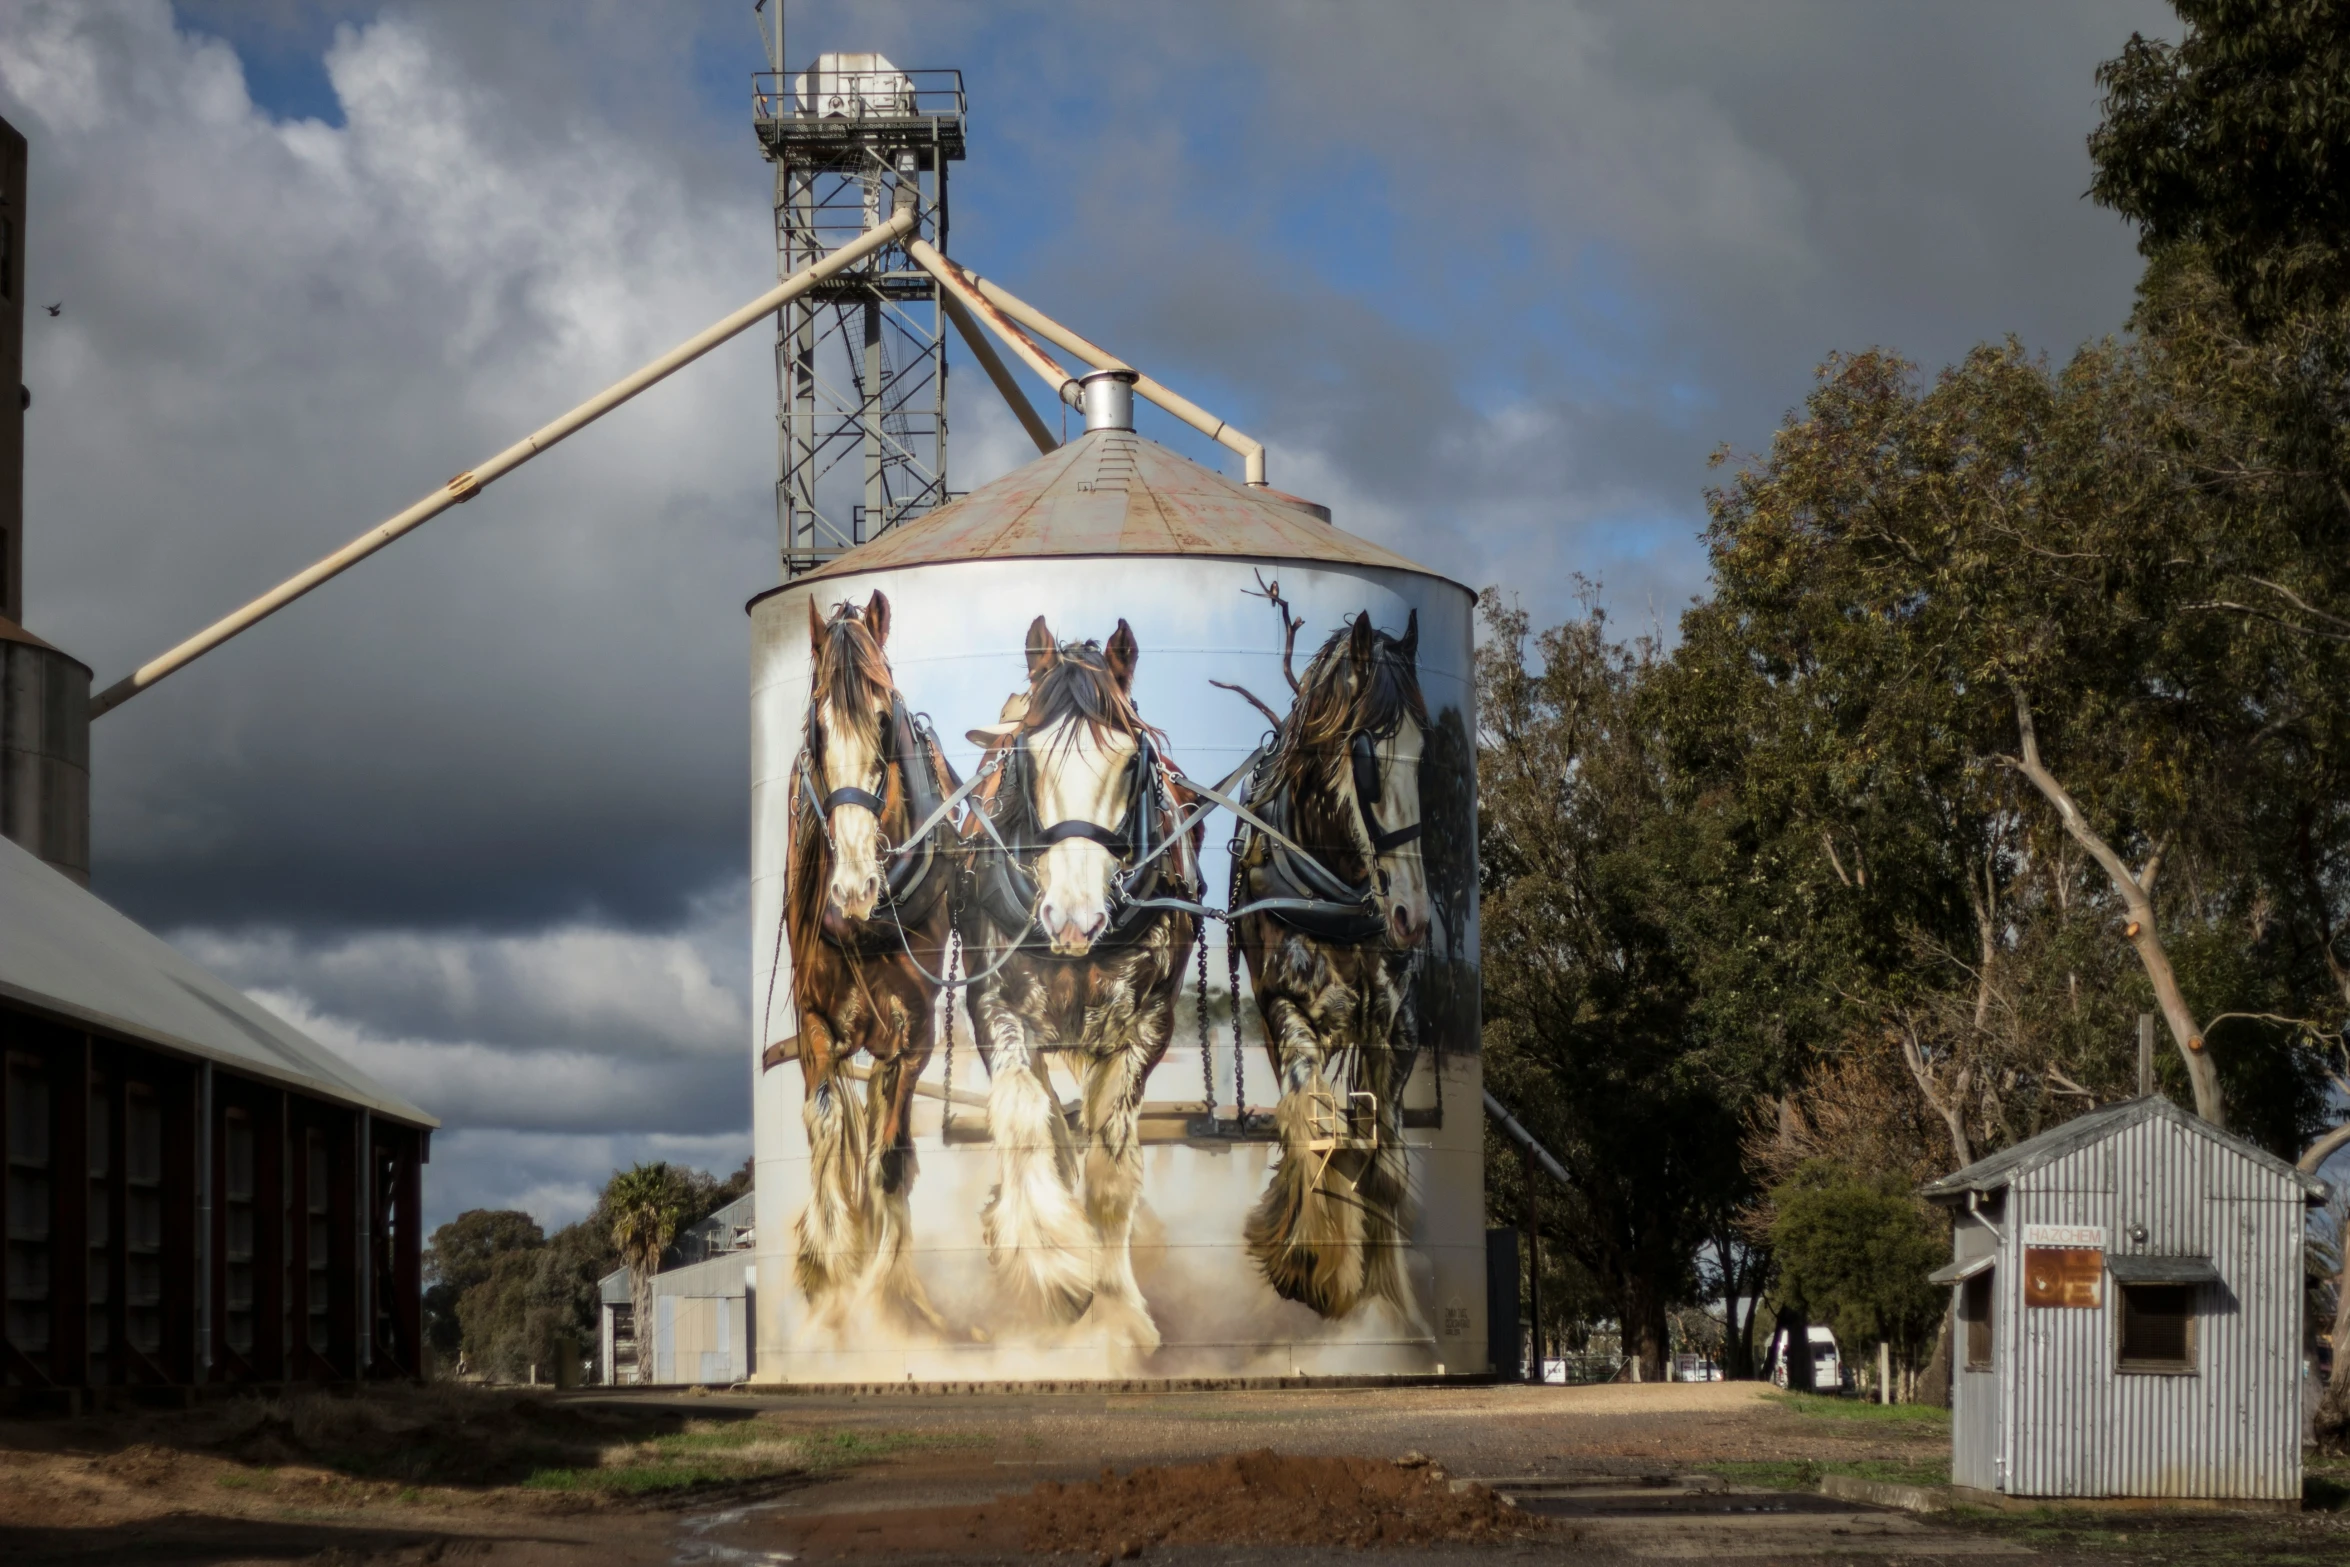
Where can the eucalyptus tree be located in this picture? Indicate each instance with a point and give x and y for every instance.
(1591, 1033)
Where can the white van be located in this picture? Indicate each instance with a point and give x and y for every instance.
(1827, 1362)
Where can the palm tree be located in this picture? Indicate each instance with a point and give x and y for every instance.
(644, 1204)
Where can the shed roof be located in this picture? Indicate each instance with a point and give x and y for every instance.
(69, 953)
(1997, 1170)
(1112, 492)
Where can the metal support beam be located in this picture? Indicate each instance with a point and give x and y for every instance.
(959, 287)
(467, 485)
(1000, 374)
(1252, 451)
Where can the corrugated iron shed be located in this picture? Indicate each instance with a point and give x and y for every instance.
(70, 954)
(1112, 492)
(2050, 1398)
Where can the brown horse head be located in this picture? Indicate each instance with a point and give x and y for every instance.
(850, 694)
(1350, 755)
(1081, 734)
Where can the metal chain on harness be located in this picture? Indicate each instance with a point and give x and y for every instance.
(1207, 1064)
(1239, 1062)
(946, 1090)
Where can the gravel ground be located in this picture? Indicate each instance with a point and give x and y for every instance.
(1603, 1474)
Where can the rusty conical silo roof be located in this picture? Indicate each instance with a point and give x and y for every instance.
(1112, 492)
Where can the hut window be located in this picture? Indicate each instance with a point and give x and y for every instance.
(2158, 1327)
(1974, 1309)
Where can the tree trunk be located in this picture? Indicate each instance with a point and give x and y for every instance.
(1536, 1371)
(1646, 1335)
(2137, 895)
(2333, 1409)
(1795, 1331)
(1934, 1382)
(641, 1304)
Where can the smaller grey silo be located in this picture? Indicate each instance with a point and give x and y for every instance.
(45, 751)
(2129, 1289)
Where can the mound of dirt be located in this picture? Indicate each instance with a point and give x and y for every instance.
(1263, 1498)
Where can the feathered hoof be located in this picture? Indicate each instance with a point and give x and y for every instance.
(1306, 1232)
(1119, 1322)
(1052, 1279)
(890, 1289)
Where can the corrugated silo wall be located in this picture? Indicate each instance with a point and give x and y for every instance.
(2076, 1425)
(956, 650)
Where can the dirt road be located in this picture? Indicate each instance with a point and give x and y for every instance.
(1422, 1474)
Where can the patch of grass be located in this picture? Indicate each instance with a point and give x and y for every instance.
(635, 1479)
(2325, 1493)
(1804, 1474)
(716, 1455)
(244, 1479)
(1923, 1416)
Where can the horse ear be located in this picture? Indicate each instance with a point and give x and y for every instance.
(815, 630)
(1043, 651)
(1361, 645)
(1122, 653)
(877, 617)
(1408, 645)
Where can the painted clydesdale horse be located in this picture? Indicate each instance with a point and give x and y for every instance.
(1341, 781)
(867, 913)
(1081, 837)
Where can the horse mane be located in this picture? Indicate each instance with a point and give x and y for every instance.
(1078, 686)
(1332, 704)
(853, 677)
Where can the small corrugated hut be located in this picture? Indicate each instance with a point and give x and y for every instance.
(2129, 1312)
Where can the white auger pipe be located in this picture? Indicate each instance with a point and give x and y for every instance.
(998, 372)
(957, 284)
(467, 485)
(1252, 452)
(1525, 1139)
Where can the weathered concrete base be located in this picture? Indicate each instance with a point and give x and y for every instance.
(1938, 1498)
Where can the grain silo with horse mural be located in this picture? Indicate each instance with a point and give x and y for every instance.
(1043, 782)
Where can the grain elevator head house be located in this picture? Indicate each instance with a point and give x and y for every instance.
(2129, 1291)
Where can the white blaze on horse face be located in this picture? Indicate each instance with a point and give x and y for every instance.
(1078, 777)
(851, 762)
(1403, 882)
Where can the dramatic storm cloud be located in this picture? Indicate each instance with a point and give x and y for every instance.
(1493, 280)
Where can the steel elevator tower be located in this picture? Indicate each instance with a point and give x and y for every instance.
(860, 362)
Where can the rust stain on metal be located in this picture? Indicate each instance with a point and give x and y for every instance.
(1111, 492)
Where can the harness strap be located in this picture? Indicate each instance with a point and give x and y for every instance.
(840, 797)
(1219, 797)
(962, 793)
(1078, 827)
(1186, 821)
(1381, 842)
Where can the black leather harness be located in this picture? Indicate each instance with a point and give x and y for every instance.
(1273, 875)
(1147, 884)
(915, 875)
